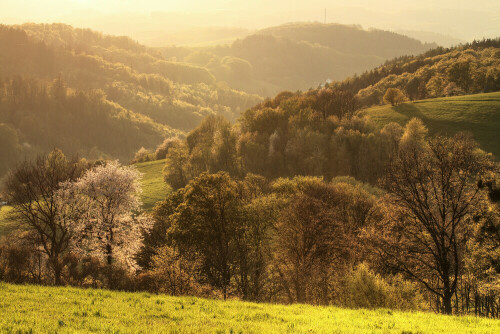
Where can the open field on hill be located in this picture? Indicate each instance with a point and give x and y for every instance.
(154, 189)
(479, 114)
(6, 226)
(27, 309)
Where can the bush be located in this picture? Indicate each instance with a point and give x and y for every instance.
(143, 155)
(365, 289)
(82, 271)
(18, 264)
(175, 274)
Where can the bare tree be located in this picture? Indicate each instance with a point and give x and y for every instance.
(429, 210)
(30, 188)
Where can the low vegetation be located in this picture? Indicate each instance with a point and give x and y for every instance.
(154, 189)
(68, 310)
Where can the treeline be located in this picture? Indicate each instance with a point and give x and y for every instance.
(315, 133)
(426, 239)
(36, 116)
(465, 69)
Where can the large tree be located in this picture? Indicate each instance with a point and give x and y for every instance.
(207, 223)
(315, 235)
(111, 228)
(31, 188)
(432, 196)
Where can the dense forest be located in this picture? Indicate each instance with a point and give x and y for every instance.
(466, 69)
(150, 95)
(297, 56)
(97, 95)
(423, 236)
(36, 116)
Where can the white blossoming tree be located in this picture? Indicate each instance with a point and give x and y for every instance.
(104, 207)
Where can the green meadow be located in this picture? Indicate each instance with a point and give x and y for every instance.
(478, 114)
(154, 189)
(35, 309)
(6, 224)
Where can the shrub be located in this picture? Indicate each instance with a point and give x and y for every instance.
(18, 264)
(175, 274)
(143, 155)
(82, 271)
(366, 289)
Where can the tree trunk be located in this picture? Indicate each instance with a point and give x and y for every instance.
(447, 302)
(57, 268)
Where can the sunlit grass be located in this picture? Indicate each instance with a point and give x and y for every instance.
(26, 309)
(6, 224)
(154, 189)
(478, 114)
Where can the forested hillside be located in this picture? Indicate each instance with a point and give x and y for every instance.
(298, 56)
(98, 95)
(466, 69)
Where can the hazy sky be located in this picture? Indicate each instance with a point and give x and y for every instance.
(460, 18)
(51, 8)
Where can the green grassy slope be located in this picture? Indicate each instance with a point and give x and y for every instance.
(154, 189)
(479, 114)
(6, 225)
(26, 309)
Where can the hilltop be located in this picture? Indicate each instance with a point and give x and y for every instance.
(478, 114)
(67, 310)
(297, 56)
(470, 68)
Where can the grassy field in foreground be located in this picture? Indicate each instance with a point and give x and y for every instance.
(154, 189)
(479, 114)
(27, 309)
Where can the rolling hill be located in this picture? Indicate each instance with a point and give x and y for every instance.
(68, 310)
(297, 56)
(478, 114)
(470, 68)
(97, 95)
(6, 225)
